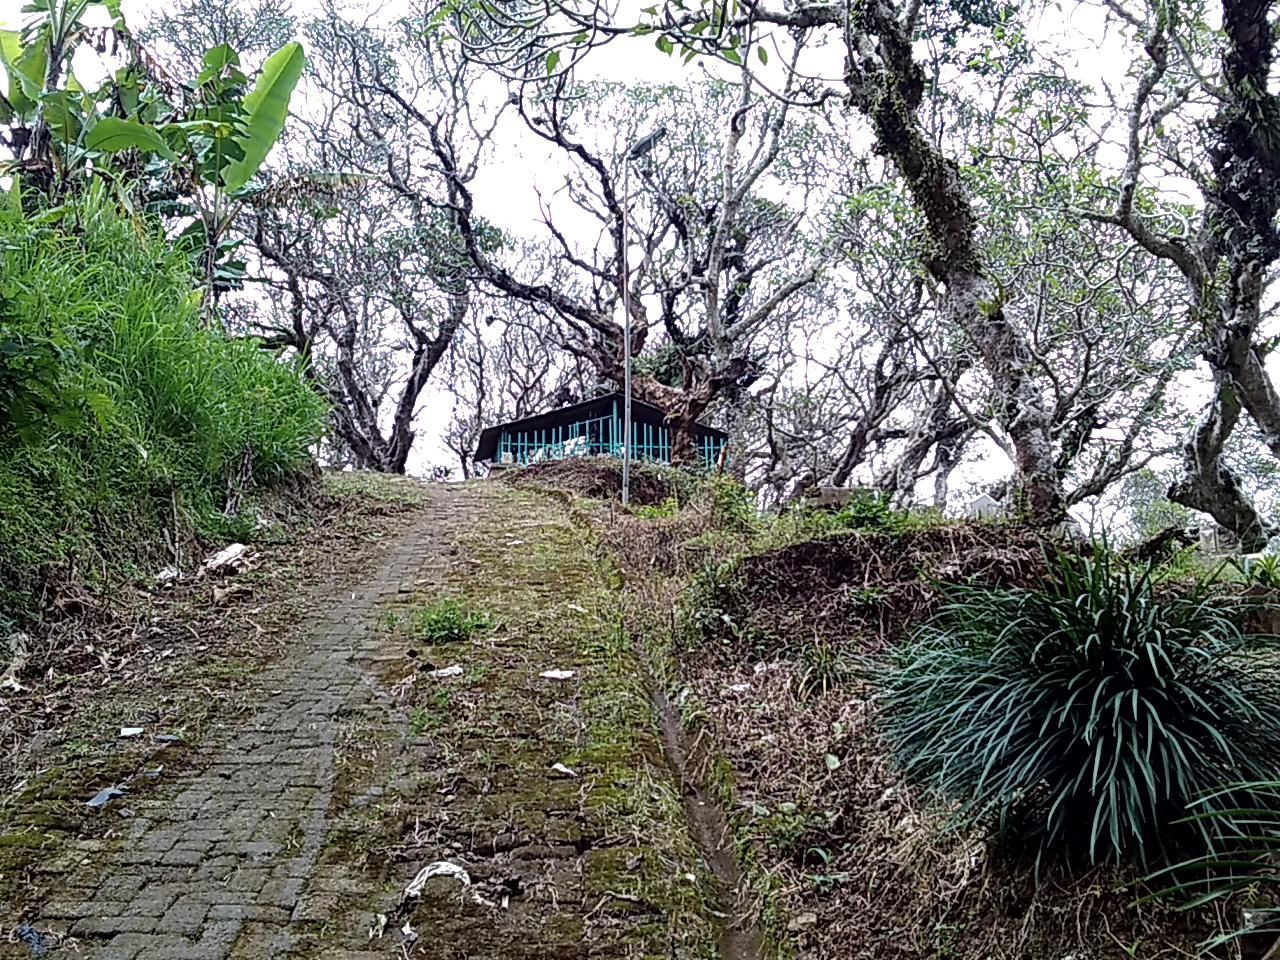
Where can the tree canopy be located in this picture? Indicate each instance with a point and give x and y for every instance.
(929, 249)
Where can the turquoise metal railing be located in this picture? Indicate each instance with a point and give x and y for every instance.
(596, 437)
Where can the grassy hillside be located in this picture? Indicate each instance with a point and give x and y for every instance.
(124, 420)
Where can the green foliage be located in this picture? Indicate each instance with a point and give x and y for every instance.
(709, 609)
(870, 512)
(866, 512)
(221, 142)
(432, 715)
(32, 387)
(823, 667)
(447, 621)
(1263, 571)
(1087, 716)
(120, 412)
(265, 110)
(1245, 858)
(1188, 565)
(199, 153)
(731, 504)
(1143, 495)
(663, 364)
(233, 528)
(112, 134)
(668, 508)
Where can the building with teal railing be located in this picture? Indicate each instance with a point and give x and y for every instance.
(590, 428)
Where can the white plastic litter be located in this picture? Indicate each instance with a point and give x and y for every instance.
(556, 674)
(227, 560)
(441, 868)
(564, 771)
(444, 673)
(131, 731)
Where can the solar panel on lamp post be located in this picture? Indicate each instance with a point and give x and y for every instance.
(637, 150)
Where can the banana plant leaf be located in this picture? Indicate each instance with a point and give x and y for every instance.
(265, 111)
(112, 134)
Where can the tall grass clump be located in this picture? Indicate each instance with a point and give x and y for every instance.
(1088, 718)
(122, 415)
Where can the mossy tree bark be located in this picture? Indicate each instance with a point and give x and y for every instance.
(1227, 260)
(887, 84)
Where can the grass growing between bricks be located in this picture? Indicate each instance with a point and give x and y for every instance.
(174, 662)
(446, 621)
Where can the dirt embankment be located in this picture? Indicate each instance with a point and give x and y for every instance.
(867, 589)
(597, 478)
(843, 858)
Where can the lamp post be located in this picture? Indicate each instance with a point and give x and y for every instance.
(636, 151)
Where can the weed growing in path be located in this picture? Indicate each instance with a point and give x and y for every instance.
(447, 621)
(432, 714)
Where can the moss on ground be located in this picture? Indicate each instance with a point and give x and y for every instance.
(602, 851)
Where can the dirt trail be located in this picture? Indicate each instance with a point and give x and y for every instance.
(295, 828)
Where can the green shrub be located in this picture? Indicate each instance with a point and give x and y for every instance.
(866, 512)
(668, 508)
(1263, 571)
(732, 505)
(710, 608)
(798, 522)
(121, 413)
(447, 621)
(1088, 716)
(871, 513)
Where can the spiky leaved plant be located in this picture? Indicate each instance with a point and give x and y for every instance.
(821, 669)
(1087, 716)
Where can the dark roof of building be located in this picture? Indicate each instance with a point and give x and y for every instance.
(641, 412)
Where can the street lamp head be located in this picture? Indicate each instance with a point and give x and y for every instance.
(645, 144)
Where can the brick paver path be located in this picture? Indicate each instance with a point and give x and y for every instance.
(534, 764)
(225, 867)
